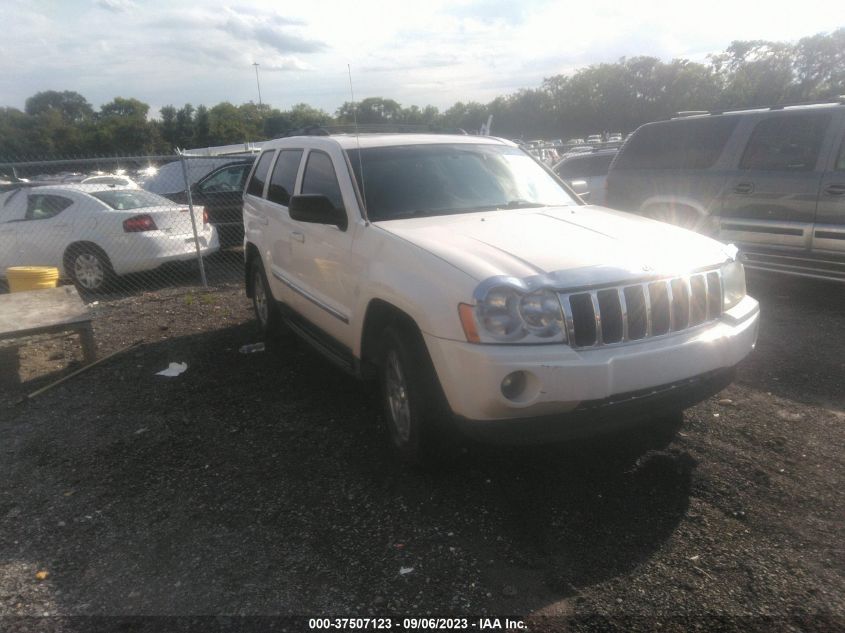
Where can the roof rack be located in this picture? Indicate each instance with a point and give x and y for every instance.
(369, 128)
(840, 100)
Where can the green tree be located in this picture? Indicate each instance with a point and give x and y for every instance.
(71, 106)
(168, 126)
(185, 126)
(122, 128)
(202, 130)
(225, 125)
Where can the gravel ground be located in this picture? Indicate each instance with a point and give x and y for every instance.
(260, 484)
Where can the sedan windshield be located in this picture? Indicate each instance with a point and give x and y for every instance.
(418, 180)
(125, 199)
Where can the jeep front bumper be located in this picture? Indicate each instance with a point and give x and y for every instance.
(559, 379)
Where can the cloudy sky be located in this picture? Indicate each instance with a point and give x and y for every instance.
(424, 52)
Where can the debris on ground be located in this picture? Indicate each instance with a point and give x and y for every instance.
(173, 370)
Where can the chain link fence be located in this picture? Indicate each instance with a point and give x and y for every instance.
(119, 226)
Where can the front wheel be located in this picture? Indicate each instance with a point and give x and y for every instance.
(412, 402)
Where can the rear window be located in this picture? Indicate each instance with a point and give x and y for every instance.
(259, 176)
(684, 144)
(124, 199)
(585, 166)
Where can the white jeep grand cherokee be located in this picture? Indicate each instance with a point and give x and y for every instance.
(481, 291)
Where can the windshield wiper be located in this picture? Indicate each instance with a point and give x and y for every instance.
(520, 204)
(407, 214)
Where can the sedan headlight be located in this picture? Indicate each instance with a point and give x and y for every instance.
(507, 314)
(733, 284)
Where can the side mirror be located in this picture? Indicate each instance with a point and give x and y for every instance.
(316, 209)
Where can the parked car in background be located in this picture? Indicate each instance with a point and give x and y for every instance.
(591, 169)
(594, 139)
(772, 180)
(216, 184)
(94, 233)
(110, 179)
(221, 193)
(614, 137)
(482, 294)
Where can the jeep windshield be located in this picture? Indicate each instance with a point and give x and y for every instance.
(443, 179)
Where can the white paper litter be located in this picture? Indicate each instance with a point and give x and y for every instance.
(173, 370)
(405, 570)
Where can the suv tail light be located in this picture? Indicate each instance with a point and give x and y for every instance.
(139, 223)
(205, 216)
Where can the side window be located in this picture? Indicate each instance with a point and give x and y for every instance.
(320, 177)
(573, 168)
(677, 144)
(259, 176)
(587, 167)
(786, 143)
(284, 176)
(42, 207)
(228, 179)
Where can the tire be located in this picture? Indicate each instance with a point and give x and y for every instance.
(265, 308)
(89, 268)
(413, 404)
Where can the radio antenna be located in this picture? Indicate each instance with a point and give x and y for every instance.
(358, 142)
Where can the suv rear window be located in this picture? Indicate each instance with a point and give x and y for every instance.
(259, 176)
(682, 144)
(786, 143)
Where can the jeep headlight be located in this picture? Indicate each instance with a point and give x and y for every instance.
(733, 284)
(509, 314)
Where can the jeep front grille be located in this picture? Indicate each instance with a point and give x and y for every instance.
(622, 314)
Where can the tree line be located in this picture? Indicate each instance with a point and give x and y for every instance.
(616, 96)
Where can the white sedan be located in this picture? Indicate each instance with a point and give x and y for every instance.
(93, 233)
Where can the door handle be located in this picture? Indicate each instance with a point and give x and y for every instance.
(299, 237)
(835, 190)
(743, 187)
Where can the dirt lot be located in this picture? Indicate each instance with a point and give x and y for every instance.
(260, 484)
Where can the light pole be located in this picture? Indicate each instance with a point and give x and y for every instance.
(258, 83)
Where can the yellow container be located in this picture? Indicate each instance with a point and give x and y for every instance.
(23, 278)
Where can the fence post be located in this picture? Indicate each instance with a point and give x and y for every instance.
(193, 219)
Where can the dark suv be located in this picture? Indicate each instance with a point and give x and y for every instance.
(770, 180)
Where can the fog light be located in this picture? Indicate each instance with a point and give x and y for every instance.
(513, 385)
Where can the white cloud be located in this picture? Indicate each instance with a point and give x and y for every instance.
(116, 6)
(438, 52)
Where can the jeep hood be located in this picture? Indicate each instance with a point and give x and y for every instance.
(591, 244)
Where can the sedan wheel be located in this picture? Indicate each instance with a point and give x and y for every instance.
(90, 270)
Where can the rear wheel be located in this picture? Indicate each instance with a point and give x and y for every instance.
(266, 310)
(89, 268)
